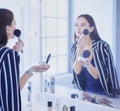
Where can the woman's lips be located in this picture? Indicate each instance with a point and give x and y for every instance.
(79, 33)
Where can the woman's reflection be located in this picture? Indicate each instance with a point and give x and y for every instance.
(94, 72)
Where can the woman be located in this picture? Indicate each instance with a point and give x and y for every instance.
(10, 84)
(96, 73)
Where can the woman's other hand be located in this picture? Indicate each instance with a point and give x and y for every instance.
(40, 68)
(29, 73)
(18, 46)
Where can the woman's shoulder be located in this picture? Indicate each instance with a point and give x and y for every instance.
(101, 43)
(6, 50)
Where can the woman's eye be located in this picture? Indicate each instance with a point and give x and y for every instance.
(82, 25)
(75, 25)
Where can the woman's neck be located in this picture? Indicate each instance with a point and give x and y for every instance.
(86, 40)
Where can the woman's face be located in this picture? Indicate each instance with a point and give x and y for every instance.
(80, 25)
(10, 29)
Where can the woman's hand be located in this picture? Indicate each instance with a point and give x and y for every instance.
(40, 68)
(29, 73)
(89, 97)
(85, 62)
(18, 46)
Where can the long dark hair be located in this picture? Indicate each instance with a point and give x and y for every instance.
(6, 17)
(94, 34)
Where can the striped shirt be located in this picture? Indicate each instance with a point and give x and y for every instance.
(10, 99)
(104, 63)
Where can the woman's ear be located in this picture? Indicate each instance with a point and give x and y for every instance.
(91, 29)
(7, 29)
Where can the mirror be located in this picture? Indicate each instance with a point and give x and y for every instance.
(45, 30)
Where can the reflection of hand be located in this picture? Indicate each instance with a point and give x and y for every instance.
(18, 46)
(85, 62)
(89, 98)
(40, 68)
(103, 101)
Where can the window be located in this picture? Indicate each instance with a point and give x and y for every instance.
(55, 34)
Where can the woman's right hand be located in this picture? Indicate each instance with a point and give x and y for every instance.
(18, 46)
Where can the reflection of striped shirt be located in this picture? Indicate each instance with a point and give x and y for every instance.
(105, 65)
(9, 80)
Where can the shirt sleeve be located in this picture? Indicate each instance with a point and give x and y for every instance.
(113, 79)
(10, 85)
(107, 73)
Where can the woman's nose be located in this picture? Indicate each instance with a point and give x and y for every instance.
(79, 27)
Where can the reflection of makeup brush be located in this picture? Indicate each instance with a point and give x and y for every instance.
(17, 33)
(85, 32)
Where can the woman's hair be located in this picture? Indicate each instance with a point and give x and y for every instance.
(6, 18)
(94, 34)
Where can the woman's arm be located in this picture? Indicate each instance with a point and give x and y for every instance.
(29, 73)
(38, 68)
(23, 80)
(77, 66)
(92, 70)
(10, 81)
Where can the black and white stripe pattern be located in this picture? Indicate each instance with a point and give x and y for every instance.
(104, 63)
(10, 99)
